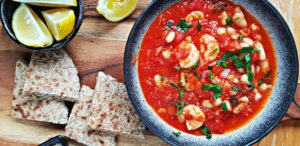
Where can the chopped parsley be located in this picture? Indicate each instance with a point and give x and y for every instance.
(177, 134)
(248, 68)
(209, 67)
(228, 21)
(199, 26)
(210, 76)
(179, 107)
(165, 28)
(216, 89)
(162, 78)
(197, 76)
(195, 66)
(215, 50)
(184, 25)
(224, 107)
(224, 58)
(237, 18)
(246, 50)
(238, 62)
(241, 37)
(176, 67)
(206, 132)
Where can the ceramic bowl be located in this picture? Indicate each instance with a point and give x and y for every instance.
(266, 119)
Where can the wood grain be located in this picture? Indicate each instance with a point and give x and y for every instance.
(99, 46)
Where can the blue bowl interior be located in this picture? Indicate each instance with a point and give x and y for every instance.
(264, 122)
(8, 7)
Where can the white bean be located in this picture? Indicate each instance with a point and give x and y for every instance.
(248, 41)
(218, 102)
(239, 18)
(263, 87)
(223, 17)
(257, 96)
(254, 27)
(264, 66)
(231, 31)
(244, 99)
(235, 36)
(239, 108)
(235, 80)
(207, 104)
(244, 79)
(157, 80)
(244, 45)
(166, 54)
(262, 54)
(228, 105)
(170, 36)
(221, 31)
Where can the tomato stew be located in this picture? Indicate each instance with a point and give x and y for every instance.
(206, 66)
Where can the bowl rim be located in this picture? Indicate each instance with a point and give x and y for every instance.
(126, 63)
(54, 46)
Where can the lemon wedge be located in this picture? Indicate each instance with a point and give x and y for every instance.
(116, 10)
(50, 3)
(60, 22)
(29, 29)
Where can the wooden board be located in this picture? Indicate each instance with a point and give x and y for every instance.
(99, 46)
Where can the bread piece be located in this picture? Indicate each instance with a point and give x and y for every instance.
(77, 128)
(112, 111)
(31, 108)
(52, 75)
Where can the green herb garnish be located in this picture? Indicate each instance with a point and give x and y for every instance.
(176, 67)
(266, 78)
(246, 50)
(238, 62)
(162, 78)
(241, 37)
(237, 18)
(215, 50)
(216, 89)
(222, 61)
(224, 107)
(206, 132)
(210, 76)
(165, 28)
(228, 21)
(196, 75)
(209, 67)
(170, 23)
(195, 66)
(184, 25)
(180, 107)
(199, 26)
(177, 134)
(248, 68)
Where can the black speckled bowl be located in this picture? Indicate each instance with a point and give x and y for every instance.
(264, 122)
(8, 7)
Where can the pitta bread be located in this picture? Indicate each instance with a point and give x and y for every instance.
(31, 108)
(77, 128)
(112, 111)
(52, 75)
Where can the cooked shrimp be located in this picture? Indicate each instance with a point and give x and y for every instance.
(195, 15)
(211, 49)
(239, 18)
(193, 57)
(193, 116)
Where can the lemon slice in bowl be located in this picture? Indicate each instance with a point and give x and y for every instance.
(116, 10)
(29, 29)
(50, 3)
(60, 22)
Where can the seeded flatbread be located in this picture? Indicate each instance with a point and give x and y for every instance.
(52, 75)
(31, 108)
(77, 127)
(112, 111)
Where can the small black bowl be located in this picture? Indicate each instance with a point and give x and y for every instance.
(8, 7)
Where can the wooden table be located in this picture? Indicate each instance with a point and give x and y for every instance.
(98, 35)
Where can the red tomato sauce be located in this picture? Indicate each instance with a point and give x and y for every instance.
(152, 62)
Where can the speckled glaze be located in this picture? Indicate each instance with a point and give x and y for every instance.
(8, 7)
(264, 122)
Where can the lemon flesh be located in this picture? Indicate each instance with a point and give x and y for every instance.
(60, 21)
(50, 3)
(29, 29)
(116, 10)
